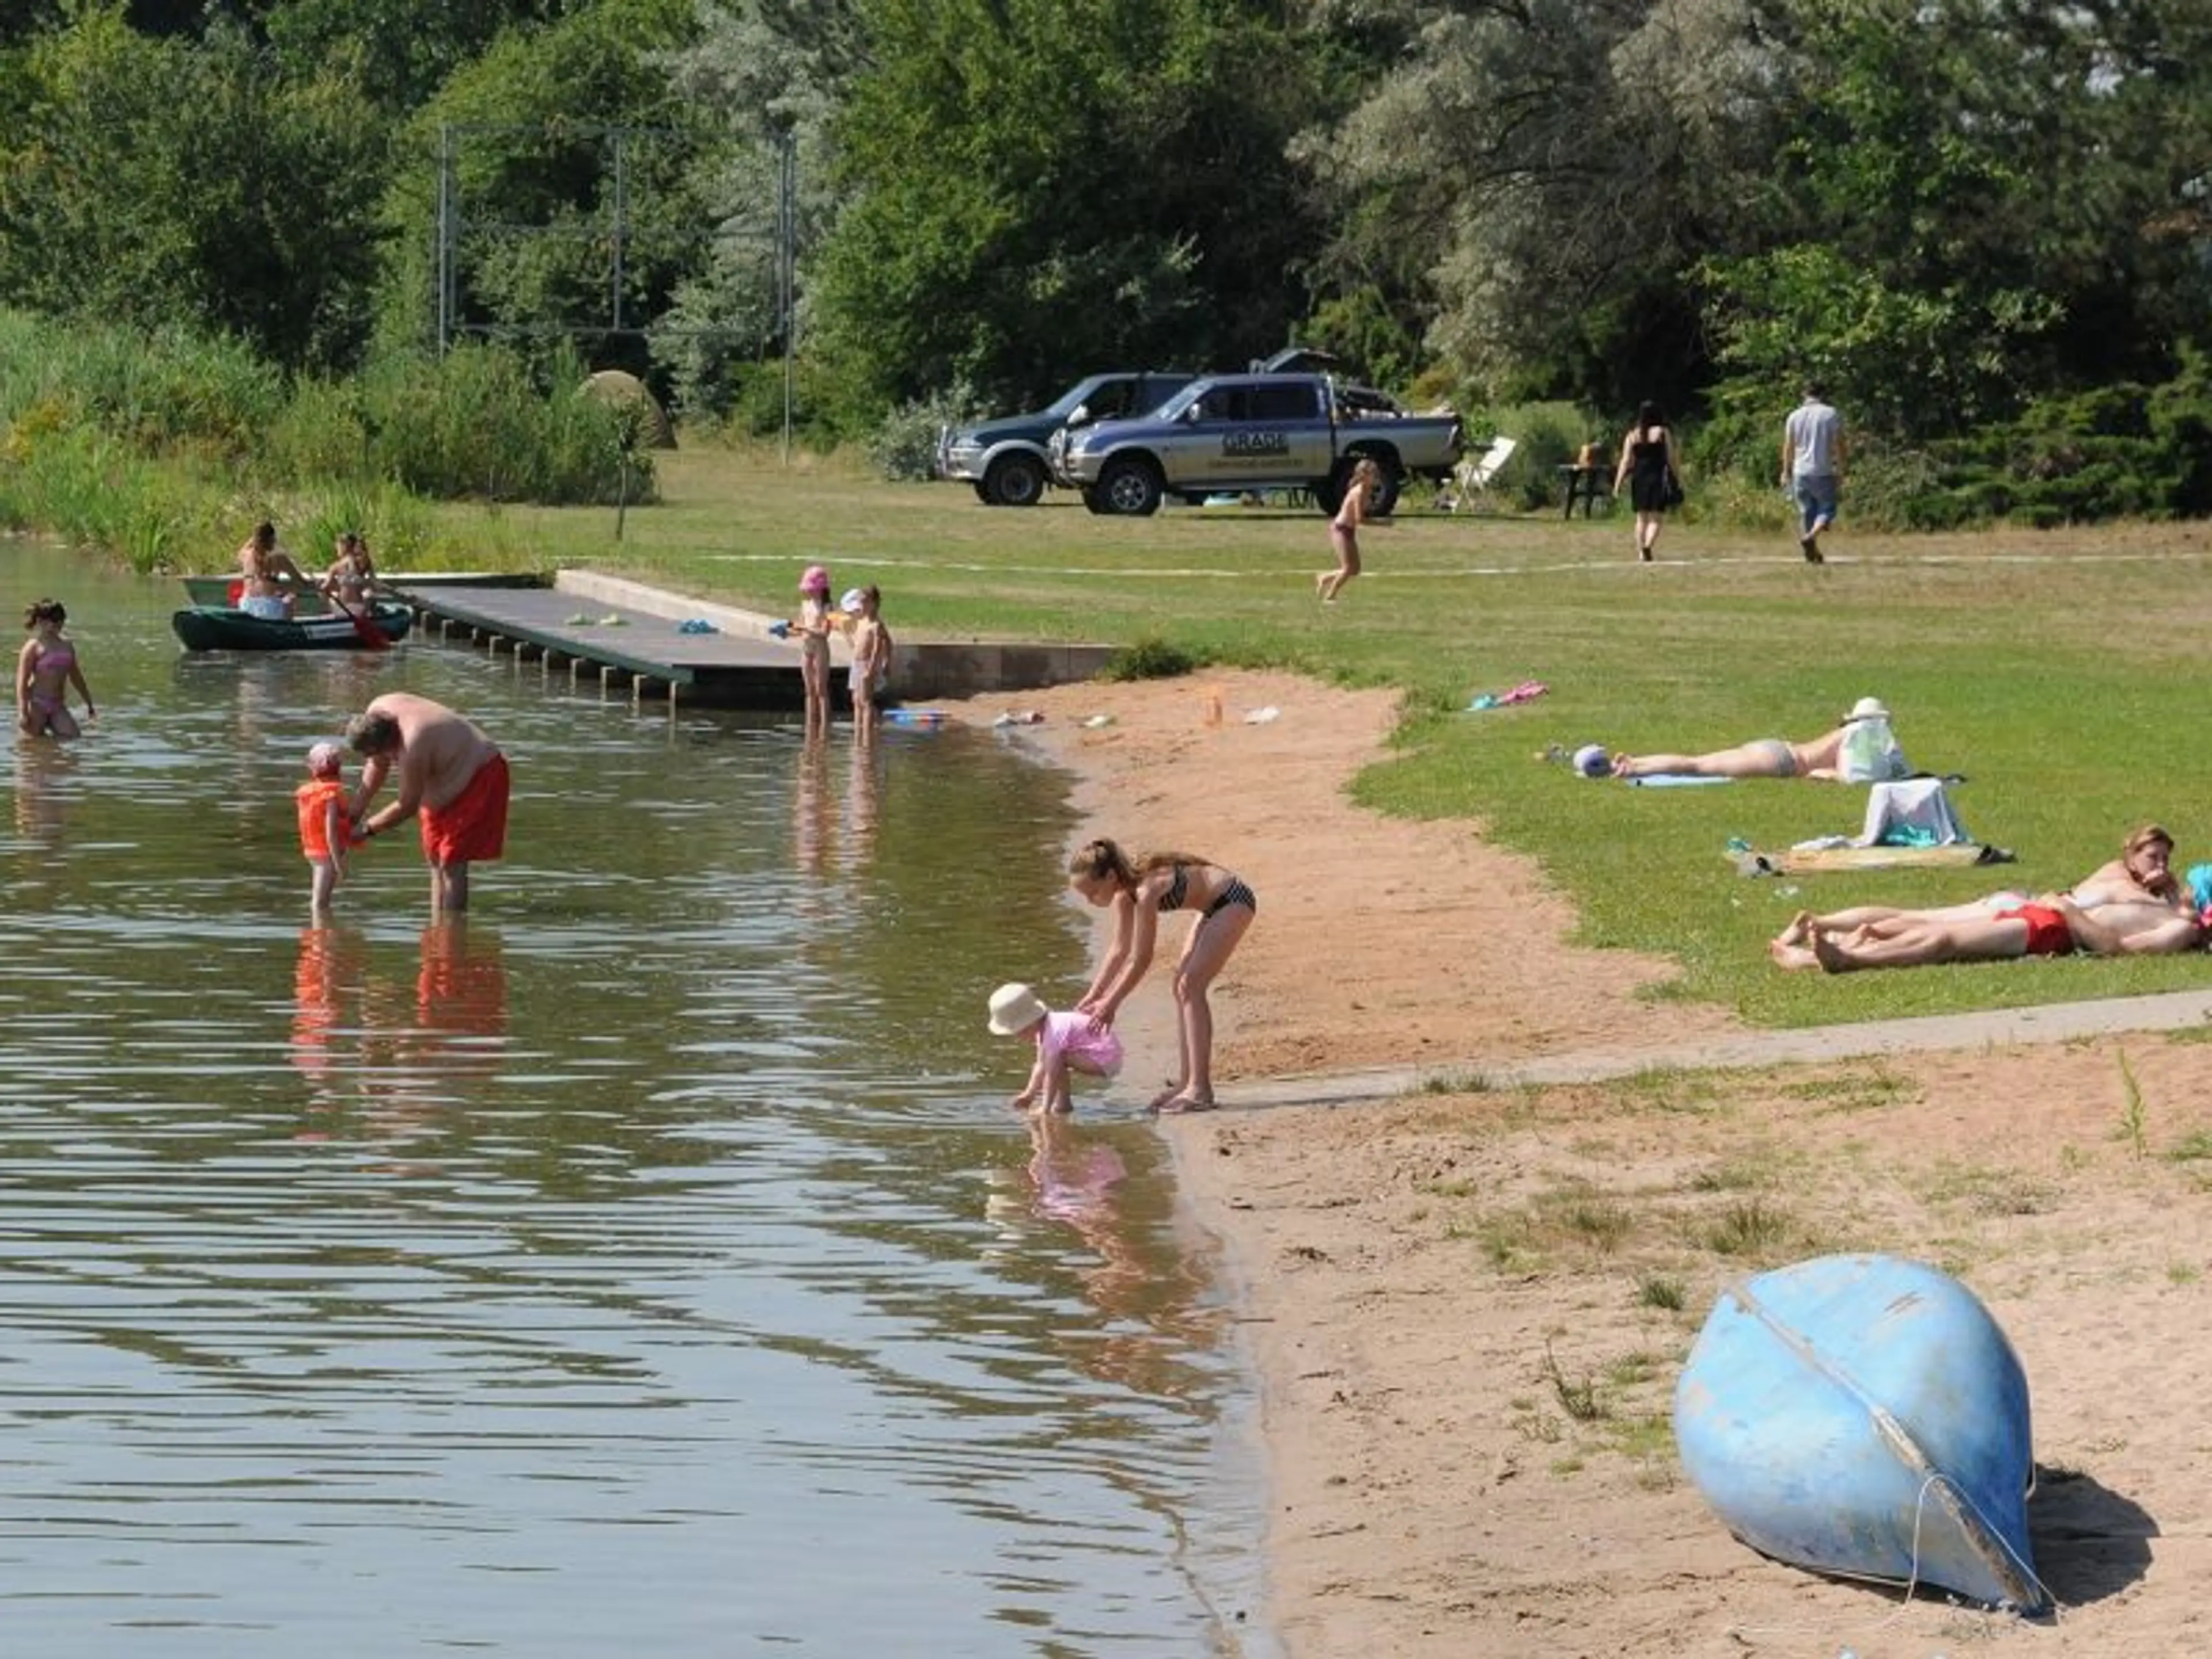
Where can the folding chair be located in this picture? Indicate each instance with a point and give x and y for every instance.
(1472, 476)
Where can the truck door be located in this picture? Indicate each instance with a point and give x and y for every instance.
(1294, 415)
(1209, 446)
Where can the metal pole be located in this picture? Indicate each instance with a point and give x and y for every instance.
(786, 265)
(621, 226)
(444, 262)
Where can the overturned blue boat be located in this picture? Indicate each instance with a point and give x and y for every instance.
(1864, 1416)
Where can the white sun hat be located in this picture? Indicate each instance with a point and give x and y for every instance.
(1867, 708)
(1014, 1009)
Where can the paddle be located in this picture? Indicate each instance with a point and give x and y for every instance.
(371, 635)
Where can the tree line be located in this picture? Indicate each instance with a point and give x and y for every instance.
(1986, 225)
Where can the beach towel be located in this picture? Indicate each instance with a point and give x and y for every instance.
(1822, 860)
(1671, 781)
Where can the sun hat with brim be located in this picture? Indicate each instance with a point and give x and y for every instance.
(1014, 1009)
(815, 580)
(1867, 708)
(324, 759)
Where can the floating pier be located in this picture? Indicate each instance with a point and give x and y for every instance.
(629, 633)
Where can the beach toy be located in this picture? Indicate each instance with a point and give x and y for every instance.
(924, 717)
(696, 625)
(780, 631)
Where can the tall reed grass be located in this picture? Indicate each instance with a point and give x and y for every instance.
(160, 446)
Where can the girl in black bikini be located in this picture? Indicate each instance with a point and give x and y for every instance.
(1138, 892)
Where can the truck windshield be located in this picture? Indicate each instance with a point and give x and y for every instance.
(1078, 393)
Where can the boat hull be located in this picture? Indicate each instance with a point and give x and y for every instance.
(1864, 1416)
(218, 628)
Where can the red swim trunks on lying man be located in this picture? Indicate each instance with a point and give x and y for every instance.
(473, 824)
(2048, 935)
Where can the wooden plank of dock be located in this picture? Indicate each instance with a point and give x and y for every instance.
(725, 669)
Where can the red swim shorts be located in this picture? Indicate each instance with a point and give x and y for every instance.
(473, 824)
(2048, 935)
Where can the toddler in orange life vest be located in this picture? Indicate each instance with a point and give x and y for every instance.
(326, 831)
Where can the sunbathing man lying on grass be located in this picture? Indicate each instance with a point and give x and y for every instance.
(2136, 894)
(2052, 925)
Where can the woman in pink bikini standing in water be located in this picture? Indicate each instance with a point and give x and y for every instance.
(44, 671)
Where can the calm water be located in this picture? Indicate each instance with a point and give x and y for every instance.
(649, 1267)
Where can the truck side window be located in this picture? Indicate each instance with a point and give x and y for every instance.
(1111, 401)
(1283, 402)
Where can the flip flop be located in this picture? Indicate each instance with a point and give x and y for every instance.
(1182, 1104)
(1173, 1092)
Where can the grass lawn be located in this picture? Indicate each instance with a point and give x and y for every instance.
(2058, 670)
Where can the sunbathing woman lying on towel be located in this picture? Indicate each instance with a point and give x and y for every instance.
(1762, 757)
(2049, 926)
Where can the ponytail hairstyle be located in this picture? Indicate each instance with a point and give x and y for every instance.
(1101, 861)
(40, 610)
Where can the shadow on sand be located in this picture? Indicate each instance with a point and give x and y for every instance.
(2090, 1542)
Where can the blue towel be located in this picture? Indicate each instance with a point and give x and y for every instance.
(1671, 781)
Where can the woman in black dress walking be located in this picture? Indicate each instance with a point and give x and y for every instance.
(1647, 467)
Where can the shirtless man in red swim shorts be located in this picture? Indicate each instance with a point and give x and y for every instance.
(448, 771)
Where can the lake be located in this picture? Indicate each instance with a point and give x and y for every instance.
(649, 1264)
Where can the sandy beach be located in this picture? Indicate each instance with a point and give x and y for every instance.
(1468, 1307)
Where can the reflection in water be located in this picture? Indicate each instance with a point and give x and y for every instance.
(810, 806)
(43, 783)
(326, 982)
(1153, 1300)
(863, 797)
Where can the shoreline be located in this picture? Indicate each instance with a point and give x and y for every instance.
(1464, 1301)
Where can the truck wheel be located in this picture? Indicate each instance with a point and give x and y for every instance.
(1014, 480)
(1092, 500)
(981, 494)
(1130, 487)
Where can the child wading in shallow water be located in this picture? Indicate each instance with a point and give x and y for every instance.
(44, 671)
(1065, 1044)
(1138, 892)
(813, 632)
(326, 831)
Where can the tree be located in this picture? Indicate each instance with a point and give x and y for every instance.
(181, 181)
(1038, 188)
(764, 73)
(535, 129)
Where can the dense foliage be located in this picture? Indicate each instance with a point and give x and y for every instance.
(1984, 223)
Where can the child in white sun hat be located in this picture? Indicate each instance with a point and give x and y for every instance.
(1066, 1043)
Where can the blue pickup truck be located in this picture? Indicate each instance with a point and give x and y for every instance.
(1239, 433)
(1004, 460)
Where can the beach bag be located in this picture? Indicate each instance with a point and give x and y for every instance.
(1871, 754)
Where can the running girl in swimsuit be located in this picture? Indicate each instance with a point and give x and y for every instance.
(44, 671)
(1138, 892)
(1343, 529)
(813, 631)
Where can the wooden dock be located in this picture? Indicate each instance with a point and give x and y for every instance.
(739, 665)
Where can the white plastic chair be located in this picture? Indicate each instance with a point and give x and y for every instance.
(1472, 476)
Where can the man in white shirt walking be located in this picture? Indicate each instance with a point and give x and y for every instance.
(1813, 467)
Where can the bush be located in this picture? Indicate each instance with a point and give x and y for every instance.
(904, 448)
(1148, 659)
